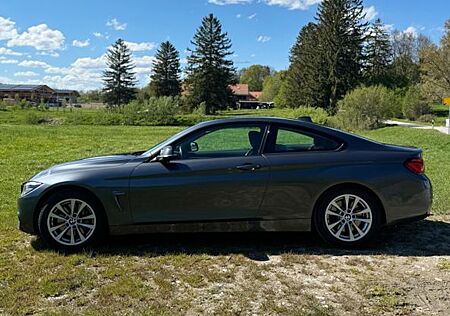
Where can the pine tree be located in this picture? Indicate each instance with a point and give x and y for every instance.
(341, 37)
(209, 71)
(305, 78)
(119, 78)
(165, 79)
(378, 55)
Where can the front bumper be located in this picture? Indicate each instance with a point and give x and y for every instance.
(26, 210)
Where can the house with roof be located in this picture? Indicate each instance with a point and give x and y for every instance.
(37, 94)
(69, 96)
(246, 99)
(32, 93)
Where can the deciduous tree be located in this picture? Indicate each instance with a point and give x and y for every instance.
(254, 76)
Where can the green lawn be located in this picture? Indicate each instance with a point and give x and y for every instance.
(128, 278)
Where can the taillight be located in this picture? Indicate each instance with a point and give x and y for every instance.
(415, 165)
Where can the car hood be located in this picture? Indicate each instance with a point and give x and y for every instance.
(88, 164)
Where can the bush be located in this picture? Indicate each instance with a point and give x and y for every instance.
(318, 115)
(154, 111)
(428, 118)
(36, 118)
(200, 109)
(414, 105)
(365, 108)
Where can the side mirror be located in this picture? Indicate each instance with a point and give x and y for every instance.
(166, 154)
(194, 147)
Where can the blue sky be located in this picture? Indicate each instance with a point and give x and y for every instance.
(61, 43)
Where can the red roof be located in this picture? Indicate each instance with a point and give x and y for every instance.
(240, 89)
(256, 94)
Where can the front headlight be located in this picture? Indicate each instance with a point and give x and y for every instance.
(27, 187)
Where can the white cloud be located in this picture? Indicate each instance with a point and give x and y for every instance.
(370, 13)
(80, 43)
(252, 16)
(140, 47)
(50, 53)
(26, 74)
(86, 73)
(90, 63)
(225, 2)
(263, 38)
(116, 25)
(41, 37)
(293, 4)
(144, 61)
(238, 16)
(101, 35)
(290, 4)
(8, 61)
(411, 31)
(7, 51)
(34, 64)
(7, 29)
(74, 80)
(388, 27)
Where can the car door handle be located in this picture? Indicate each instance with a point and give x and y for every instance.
(248, 167)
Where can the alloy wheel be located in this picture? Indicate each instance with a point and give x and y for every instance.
(71, 222)
(348, 217)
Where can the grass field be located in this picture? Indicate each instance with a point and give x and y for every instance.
(290, 274)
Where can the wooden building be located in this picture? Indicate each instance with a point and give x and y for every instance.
(246, 99)
(37, 94)
(69, 96)
(31, 93)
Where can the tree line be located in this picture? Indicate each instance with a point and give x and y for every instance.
(209, 71)
(331, 56)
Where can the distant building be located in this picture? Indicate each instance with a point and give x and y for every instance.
(32, 93)
(37, 94)
(246, 99)
(69, 96)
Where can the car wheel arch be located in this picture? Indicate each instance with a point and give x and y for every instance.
(350, 185)
(66, 187)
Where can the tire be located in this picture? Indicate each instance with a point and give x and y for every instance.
(347, 218)
(71, 220)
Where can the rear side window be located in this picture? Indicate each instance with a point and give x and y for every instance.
(286, 139)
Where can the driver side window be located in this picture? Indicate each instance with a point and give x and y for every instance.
(231, 141)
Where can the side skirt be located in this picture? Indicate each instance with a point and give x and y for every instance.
(207, 227)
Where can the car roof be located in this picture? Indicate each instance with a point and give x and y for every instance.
(257, 119)
(355, 140)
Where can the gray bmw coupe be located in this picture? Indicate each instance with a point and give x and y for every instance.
(246, 174)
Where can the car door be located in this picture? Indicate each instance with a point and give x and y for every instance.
(219, 174)
(297, 158)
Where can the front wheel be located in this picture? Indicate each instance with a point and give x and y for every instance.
(71, 220)
(347, 218)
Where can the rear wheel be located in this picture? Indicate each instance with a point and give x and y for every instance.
(347, 217)
(71, 220)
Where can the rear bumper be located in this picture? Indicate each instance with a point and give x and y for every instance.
(409, 219)
(408, 200)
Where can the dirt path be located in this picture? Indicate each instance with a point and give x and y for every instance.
(406, 271)
(442, 129)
